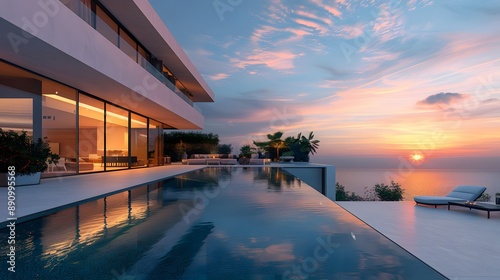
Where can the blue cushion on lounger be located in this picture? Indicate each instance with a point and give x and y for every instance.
(460, 193)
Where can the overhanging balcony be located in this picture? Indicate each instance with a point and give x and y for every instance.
(70, 51)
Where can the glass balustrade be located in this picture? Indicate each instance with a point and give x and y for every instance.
(112, 34)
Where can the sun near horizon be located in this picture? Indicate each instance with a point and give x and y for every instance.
(417, 157)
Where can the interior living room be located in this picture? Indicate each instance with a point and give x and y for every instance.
(108, 137)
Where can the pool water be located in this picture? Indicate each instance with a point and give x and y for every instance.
(215, 223)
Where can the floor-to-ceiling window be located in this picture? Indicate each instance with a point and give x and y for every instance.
(59, 126)
(88, 134)
(155, 143)
(117, 153)
(138, 140)
(91, 134)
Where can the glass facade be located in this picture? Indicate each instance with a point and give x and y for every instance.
(117, 154)
(138, 140)
(88, 134)
(91, 134)
(59, 125)
(155, 143)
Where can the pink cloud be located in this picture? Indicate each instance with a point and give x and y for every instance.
(322, 29)
(389, 24)
(273, 59)
(259, 34)
(332, 10)
(297, 34)
(277, 11)
(350, 31)
(220, 76)
(265, 33)
(313, 16)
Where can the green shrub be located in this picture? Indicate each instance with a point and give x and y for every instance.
(28, 155)
(246, 151)
(224, 149)
(383, 192)
(176, 143)
(343, 195)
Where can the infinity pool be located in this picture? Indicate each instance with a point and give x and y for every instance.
(215, 223)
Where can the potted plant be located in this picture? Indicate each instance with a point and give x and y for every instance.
(29, 157)
(302, 146)
(245, 154)
(497, 198)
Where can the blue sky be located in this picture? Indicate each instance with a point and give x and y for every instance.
(370, 78)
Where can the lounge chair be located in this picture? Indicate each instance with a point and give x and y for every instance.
(459, 194)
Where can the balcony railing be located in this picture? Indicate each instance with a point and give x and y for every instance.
(105, 30)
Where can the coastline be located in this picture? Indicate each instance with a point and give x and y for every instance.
(418, 181)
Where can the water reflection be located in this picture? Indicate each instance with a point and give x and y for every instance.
(275, 178)
(219, 223)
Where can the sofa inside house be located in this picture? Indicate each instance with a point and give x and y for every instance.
(84, 164)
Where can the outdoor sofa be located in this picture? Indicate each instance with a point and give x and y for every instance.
(217, 159)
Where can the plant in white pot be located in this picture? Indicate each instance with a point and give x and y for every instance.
(27, 156)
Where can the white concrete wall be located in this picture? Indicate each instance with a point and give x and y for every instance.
(321, 177)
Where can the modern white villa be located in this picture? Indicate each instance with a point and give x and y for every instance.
(100, 80)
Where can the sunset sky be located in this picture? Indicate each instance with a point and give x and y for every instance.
(370, 78)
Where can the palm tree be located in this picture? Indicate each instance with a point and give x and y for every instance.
(303, 146)
(247, 151)
(274, 142)
(307, 144)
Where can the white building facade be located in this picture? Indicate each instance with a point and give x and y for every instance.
(99, 79)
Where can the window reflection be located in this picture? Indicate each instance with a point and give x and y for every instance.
(59, 127)
(155, 143)
(117, 153)
(16, 114)
(91, 134)
(139, 141)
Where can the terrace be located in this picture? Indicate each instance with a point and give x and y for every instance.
(460, 244)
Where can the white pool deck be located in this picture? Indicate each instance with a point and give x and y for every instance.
(461, 244)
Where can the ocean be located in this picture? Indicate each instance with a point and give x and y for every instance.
(418, 181)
